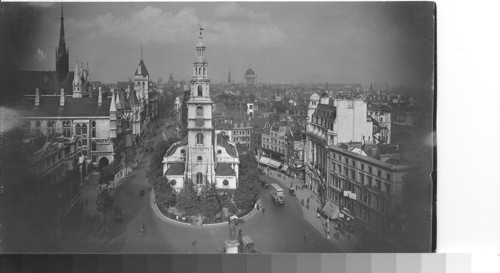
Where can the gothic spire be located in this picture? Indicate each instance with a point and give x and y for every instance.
(62, 41)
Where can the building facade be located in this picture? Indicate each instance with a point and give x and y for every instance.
(331, 122)
(365, 181)
(202, 156)
(242, 133)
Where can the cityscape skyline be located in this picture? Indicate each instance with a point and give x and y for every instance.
(373, 43)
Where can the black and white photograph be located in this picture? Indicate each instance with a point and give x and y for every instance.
(217, 127)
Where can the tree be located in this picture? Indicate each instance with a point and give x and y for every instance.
(187, 199)
(105, 203)
(157, 157)
(247, 191)
(107, 174)
(209, 204)
(103, 162)
(164, 193)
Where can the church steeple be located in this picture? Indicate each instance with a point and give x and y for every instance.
(229, 77)
(62, 53)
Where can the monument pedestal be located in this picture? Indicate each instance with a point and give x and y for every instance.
(232, 247)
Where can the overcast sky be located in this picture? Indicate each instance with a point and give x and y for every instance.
(284, 42)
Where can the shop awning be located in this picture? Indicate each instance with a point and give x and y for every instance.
(263, 160)
(285, 167)
(331, 210)
(347, 213)
(273, 163)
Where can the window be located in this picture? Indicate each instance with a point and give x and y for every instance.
(173, 182)
(377, 184)
(340, 158)
(387, 188)
(78, 130)
(84, 129)
(388, 176)
(200, 91)
(346, 160)
(94, 158)
(199, 111)
(353, 175)
(94, 146)
(51, 126)
(84, 142)
(353, 163)
(199, 158)
(225, 182)
(93, 129)
(361, 177)
(379, 173)
(199, 139)
(369, 180)
(362, 166)
(199, 178)
(346, 171)
(370, 169)
(339, 168)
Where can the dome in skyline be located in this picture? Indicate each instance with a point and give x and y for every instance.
(250, 72)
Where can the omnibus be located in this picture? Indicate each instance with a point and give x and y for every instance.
(277, 194)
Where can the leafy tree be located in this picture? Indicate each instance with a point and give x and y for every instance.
(164, 193)
(209, 204)
(105, 203)
(103, 162)
(247, 191)
(107, 174)
(158, 153)
(187, 199)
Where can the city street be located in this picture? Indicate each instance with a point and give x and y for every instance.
(280, 229)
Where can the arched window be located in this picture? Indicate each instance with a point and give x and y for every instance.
(199, 178)
(199, 111)
(84, 129)
(93, 129)
(78, 130)
(200, 91)
(94, 146)
(199, 139)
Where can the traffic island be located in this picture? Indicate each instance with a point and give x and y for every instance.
(179, 221)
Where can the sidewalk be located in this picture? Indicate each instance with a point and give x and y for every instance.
(343, 243)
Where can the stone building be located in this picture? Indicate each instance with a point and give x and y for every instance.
(202, 156)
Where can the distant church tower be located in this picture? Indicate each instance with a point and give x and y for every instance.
(141, 85)
(229, 77)
(62, 54)
(200, 160)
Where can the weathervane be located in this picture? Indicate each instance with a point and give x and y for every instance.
(201, 29)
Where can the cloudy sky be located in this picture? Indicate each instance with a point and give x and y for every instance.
(283, 42)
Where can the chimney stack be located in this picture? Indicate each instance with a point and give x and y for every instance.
(99, 100)
(37, 97)
(62, 99)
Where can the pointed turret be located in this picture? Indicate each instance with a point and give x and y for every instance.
(112, 116)
(77, 83)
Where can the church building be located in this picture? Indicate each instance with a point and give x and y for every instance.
(202, 155)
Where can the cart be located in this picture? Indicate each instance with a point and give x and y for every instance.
(247, 244)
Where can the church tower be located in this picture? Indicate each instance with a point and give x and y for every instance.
(62, 54)
(141, 85)
(200, 158)
(229, 77)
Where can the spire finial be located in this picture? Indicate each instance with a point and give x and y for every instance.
(62, 9)
(201, 29)
(141, 51)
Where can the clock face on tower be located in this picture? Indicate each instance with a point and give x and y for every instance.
(199, 122)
